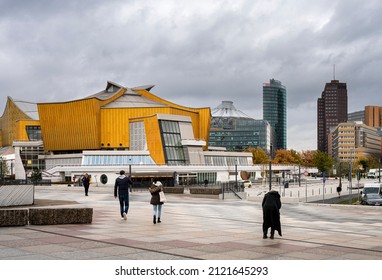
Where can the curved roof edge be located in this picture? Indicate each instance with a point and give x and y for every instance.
(28, 108)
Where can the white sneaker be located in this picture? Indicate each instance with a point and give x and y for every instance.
(124, 216)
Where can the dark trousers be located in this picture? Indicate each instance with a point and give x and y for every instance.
(86, 189)
(124, 203)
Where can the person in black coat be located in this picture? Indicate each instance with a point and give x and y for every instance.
(121, 187)
(86, 183)
(155, 200)
(271, 213)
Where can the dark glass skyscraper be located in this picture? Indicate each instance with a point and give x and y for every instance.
(274, 111)
(332, 109)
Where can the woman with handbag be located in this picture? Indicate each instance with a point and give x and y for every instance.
(155, 201)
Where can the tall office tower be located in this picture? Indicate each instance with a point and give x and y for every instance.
(332, 109)
(274, 111)
(373, 116)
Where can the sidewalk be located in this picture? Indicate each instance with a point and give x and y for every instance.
(194, 228)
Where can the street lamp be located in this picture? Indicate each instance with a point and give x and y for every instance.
(131, 187)
(350, 175)
(339, 188)
(270, 168)
(236, 174)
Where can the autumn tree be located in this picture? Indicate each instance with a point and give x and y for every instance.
(258, 155)
(286, 157)
(307, 158)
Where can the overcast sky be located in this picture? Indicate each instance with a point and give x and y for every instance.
(197, 53)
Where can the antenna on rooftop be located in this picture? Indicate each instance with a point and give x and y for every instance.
(334, 71)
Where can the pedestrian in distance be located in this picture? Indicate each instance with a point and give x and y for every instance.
(121, 189)
(339, 189)
(154, 189)
(271, 214)
(86, 183)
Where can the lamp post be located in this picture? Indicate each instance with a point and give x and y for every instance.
(379, 170)
(350, 175)
(339, 188)
(236, 174)
(299, 175)
(270, 168)
(131, 187)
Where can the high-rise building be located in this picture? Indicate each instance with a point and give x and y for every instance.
(350, 141)
(274, 111)
(332, 109)
(373, 116)
(236, 131)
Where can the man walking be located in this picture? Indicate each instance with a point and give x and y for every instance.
(122, 188)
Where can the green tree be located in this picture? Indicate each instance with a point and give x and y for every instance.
(322, 161)
(36, 176)
(363, 162)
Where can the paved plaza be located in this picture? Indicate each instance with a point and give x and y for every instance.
(194, 228)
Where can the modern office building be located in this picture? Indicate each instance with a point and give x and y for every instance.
(275, 111)
(349, 141)
(236, 131)
(332, 109)
(358, 116)
(116, 128)
(373, 116)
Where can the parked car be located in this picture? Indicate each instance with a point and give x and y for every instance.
(247, 184)
(372, 199)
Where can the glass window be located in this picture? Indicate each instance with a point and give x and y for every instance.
(171, 140)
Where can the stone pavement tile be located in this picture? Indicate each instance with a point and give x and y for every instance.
(24, 242)
(234, 254)
(115, 250)
(269, 250)
(87, 244)
(7, 253)
(211, 248)
(77, 255)
(56, 239)
(360, 256)
(125, 242)
(363, 242)
(287, 247)
(329, 251)
(235, 245)
(185, 252)
(145, 255)
(179, 243)
(302, 255)
(32, 257)
(48, 248)
(244, 255)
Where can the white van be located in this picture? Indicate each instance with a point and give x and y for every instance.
(372, 188)
(372, 174)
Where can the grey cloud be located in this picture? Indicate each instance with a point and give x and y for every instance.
(196, 53)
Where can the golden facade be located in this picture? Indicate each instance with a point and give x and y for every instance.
(102, 121)
(13, 122)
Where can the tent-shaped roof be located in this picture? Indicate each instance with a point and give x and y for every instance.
(227, 110)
